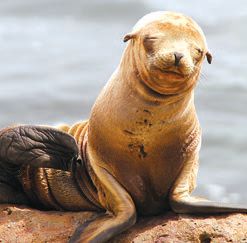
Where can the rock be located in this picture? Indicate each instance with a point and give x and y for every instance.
(172, 228)
(22, 224)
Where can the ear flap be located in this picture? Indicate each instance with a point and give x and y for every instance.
(128, 37)
(209, 57)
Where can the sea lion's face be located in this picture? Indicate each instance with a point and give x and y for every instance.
(171, 52)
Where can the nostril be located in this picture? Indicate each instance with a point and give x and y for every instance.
(178, 56)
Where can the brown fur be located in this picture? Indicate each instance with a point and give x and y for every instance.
(141, 120)
(143, 128)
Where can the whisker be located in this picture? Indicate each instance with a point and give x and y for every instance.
(202, 76)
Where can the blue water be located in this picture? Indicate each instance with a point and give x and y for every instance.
(56, 55)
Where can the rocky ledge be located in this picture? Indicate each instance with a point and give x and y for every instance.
(22, 224)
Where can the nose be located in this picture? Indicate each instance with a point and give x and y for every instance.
(178, 56)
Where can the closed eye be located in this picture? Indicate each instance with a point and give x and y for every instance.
(150, 38)
(198, 55)
(149, 42)
(200, 51)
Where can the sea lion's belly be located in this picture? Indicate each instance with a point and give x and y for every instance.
(148, 172)
(145, 159)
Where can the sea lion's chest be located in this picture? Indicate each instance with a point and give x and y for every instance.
(143, 150)
(140, 132)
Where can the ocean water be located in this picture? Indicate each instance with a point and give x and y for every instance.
(56, 55)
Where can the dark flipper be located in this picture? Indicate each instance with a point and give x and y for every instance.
(35, 147)
(194, 205)
(10, 195)
(38, 146)
(181, 200)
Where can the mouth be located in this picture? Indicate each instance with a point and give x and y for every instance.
(171, 73)
(174, 73)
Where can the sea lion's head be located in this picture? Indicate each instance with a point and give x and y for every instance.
(168, 51)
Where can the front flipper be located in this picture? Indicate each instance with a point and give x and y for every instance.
(194, 205)
(37, 146)
(120, 216)
(182, 202)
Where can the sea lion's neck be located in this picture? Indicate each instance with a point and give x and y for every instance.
(131, 77)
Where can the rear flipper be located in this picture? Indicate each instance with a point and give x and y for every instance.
(182, 202)
(37, 146)
(9, 195)
(31, 146)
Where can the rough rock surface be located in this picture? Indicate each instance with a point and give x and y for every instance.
(172, 228)
(22, 224)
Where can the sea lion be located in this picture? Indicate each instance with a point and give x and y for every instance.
(138, 152)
